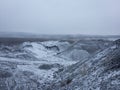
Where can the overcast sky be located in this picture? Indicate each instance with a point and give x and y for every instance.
(61, 16)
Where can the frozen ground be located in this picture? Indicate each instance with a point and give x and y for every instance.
(55, 65)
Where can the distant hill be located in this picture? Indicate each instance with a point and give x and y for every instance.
(58, 37)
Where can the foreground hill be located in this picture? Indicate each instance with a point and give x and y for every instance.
(99, 72)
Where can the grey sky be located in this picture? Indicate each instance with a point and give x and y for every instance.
(61, 16)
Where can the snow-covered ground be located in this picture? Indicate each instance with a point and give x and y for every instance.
(58, 64)
(41, 56)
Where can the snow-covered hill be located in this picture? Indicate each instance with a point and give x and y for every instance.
(99, 72)
(55, 65)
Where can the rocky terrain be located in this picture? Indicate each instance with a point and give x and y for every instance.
(60, 65)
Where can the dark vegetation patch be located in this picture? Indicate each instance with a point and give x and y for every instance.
(49, 66)
(113, 61)
(114, 64)
(66, 82)
(60, 69)
(52, 48)
(117, 42)
(46, 66)
(5, 74)
(27, 73)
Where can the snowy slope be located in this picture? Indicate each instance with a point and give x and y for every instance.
(100, 72)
